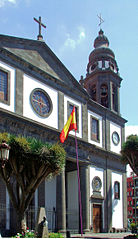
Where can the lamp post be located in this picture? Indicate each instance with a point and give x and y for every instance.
(4, 152)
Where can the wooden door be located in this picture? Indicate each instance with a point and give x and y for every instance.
(97, 218)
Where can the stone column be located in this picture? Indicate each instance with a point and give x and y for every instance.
(61, 203)
(41, 195)
(85, 197)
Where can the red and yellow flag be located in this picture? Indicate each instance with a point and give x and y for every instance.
(70, 125)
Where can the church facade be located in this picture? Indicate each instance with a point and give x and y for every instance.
(37, 94)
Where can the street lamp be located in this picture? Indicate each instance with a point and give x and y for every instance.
(4, 152)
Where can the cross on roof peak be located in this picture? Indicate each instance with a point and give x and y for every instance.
(39, 37)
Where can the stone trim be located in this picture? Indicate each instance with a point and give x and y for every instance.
(19, 92)
(98, 129)
(84, 122)
(49, 101)
(60, 110)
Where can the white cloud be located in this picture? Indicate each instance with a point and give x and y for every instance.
(131, 129)
(71, 42)
(81, 36)
(3, 2)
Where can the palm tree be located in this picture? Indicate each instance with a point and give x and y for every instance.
(130, 152)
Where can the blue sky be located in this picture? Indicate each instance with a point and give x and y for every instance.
(72, 26)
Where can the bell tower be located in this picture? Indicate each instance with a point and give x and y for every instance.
(102, 80)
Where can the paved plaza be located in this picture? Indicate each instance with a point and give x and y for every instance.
(102, 235)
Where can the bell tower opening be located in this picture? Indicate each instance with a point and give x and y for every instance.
(104, 95)
(93, 92)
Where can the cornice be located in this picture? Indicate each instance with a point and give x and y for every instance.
(98, 72)
(15, 121)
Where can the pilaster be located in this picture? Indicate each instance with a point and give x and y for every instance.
(110, 98)
(19, 92)
(118, 100)
(122, 135)
(84, 122)
(107, 134)
(60, 110)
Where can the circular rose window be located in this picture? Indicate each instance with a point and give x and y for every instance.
(41, 102)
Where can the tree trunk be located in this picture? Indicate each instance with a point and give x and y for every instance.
(21, 222)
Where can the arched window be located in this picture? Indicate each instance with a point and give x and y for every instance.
(116, 190)
(104, 95)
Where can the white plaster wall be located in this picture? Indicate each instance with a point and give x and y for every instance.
(73, 205)
(29, 85)
(10, 107)
(50, 193)
(72, 101)
(96, 172)
(117, 128)
(117, 205)
(98, 117)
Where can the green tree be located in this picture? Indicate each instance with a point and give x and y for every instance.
(30, 162)
(130, 152)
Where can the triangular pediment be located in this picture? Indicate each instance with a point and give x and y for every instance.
(34, 58)
(40, 56)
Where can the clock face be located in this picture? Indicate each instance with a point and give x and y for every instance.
(41, 102)
(96, 183)
(115, 138)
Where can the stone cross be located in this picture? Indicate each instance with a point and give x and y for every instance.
(39, 37)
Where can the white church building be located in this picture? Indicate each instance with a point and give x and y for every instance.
(37, 94)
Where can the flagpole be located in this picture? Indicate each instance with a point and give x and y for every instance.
(79, 191)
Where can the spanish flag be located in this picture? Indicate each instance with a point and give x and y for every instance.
(70, 125)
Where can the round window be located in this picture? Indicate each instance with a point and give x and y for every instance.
(41, 102)
(115, 138)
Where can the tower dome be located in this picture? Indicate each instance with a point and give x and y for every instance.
(101, 40)
(102, 57)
